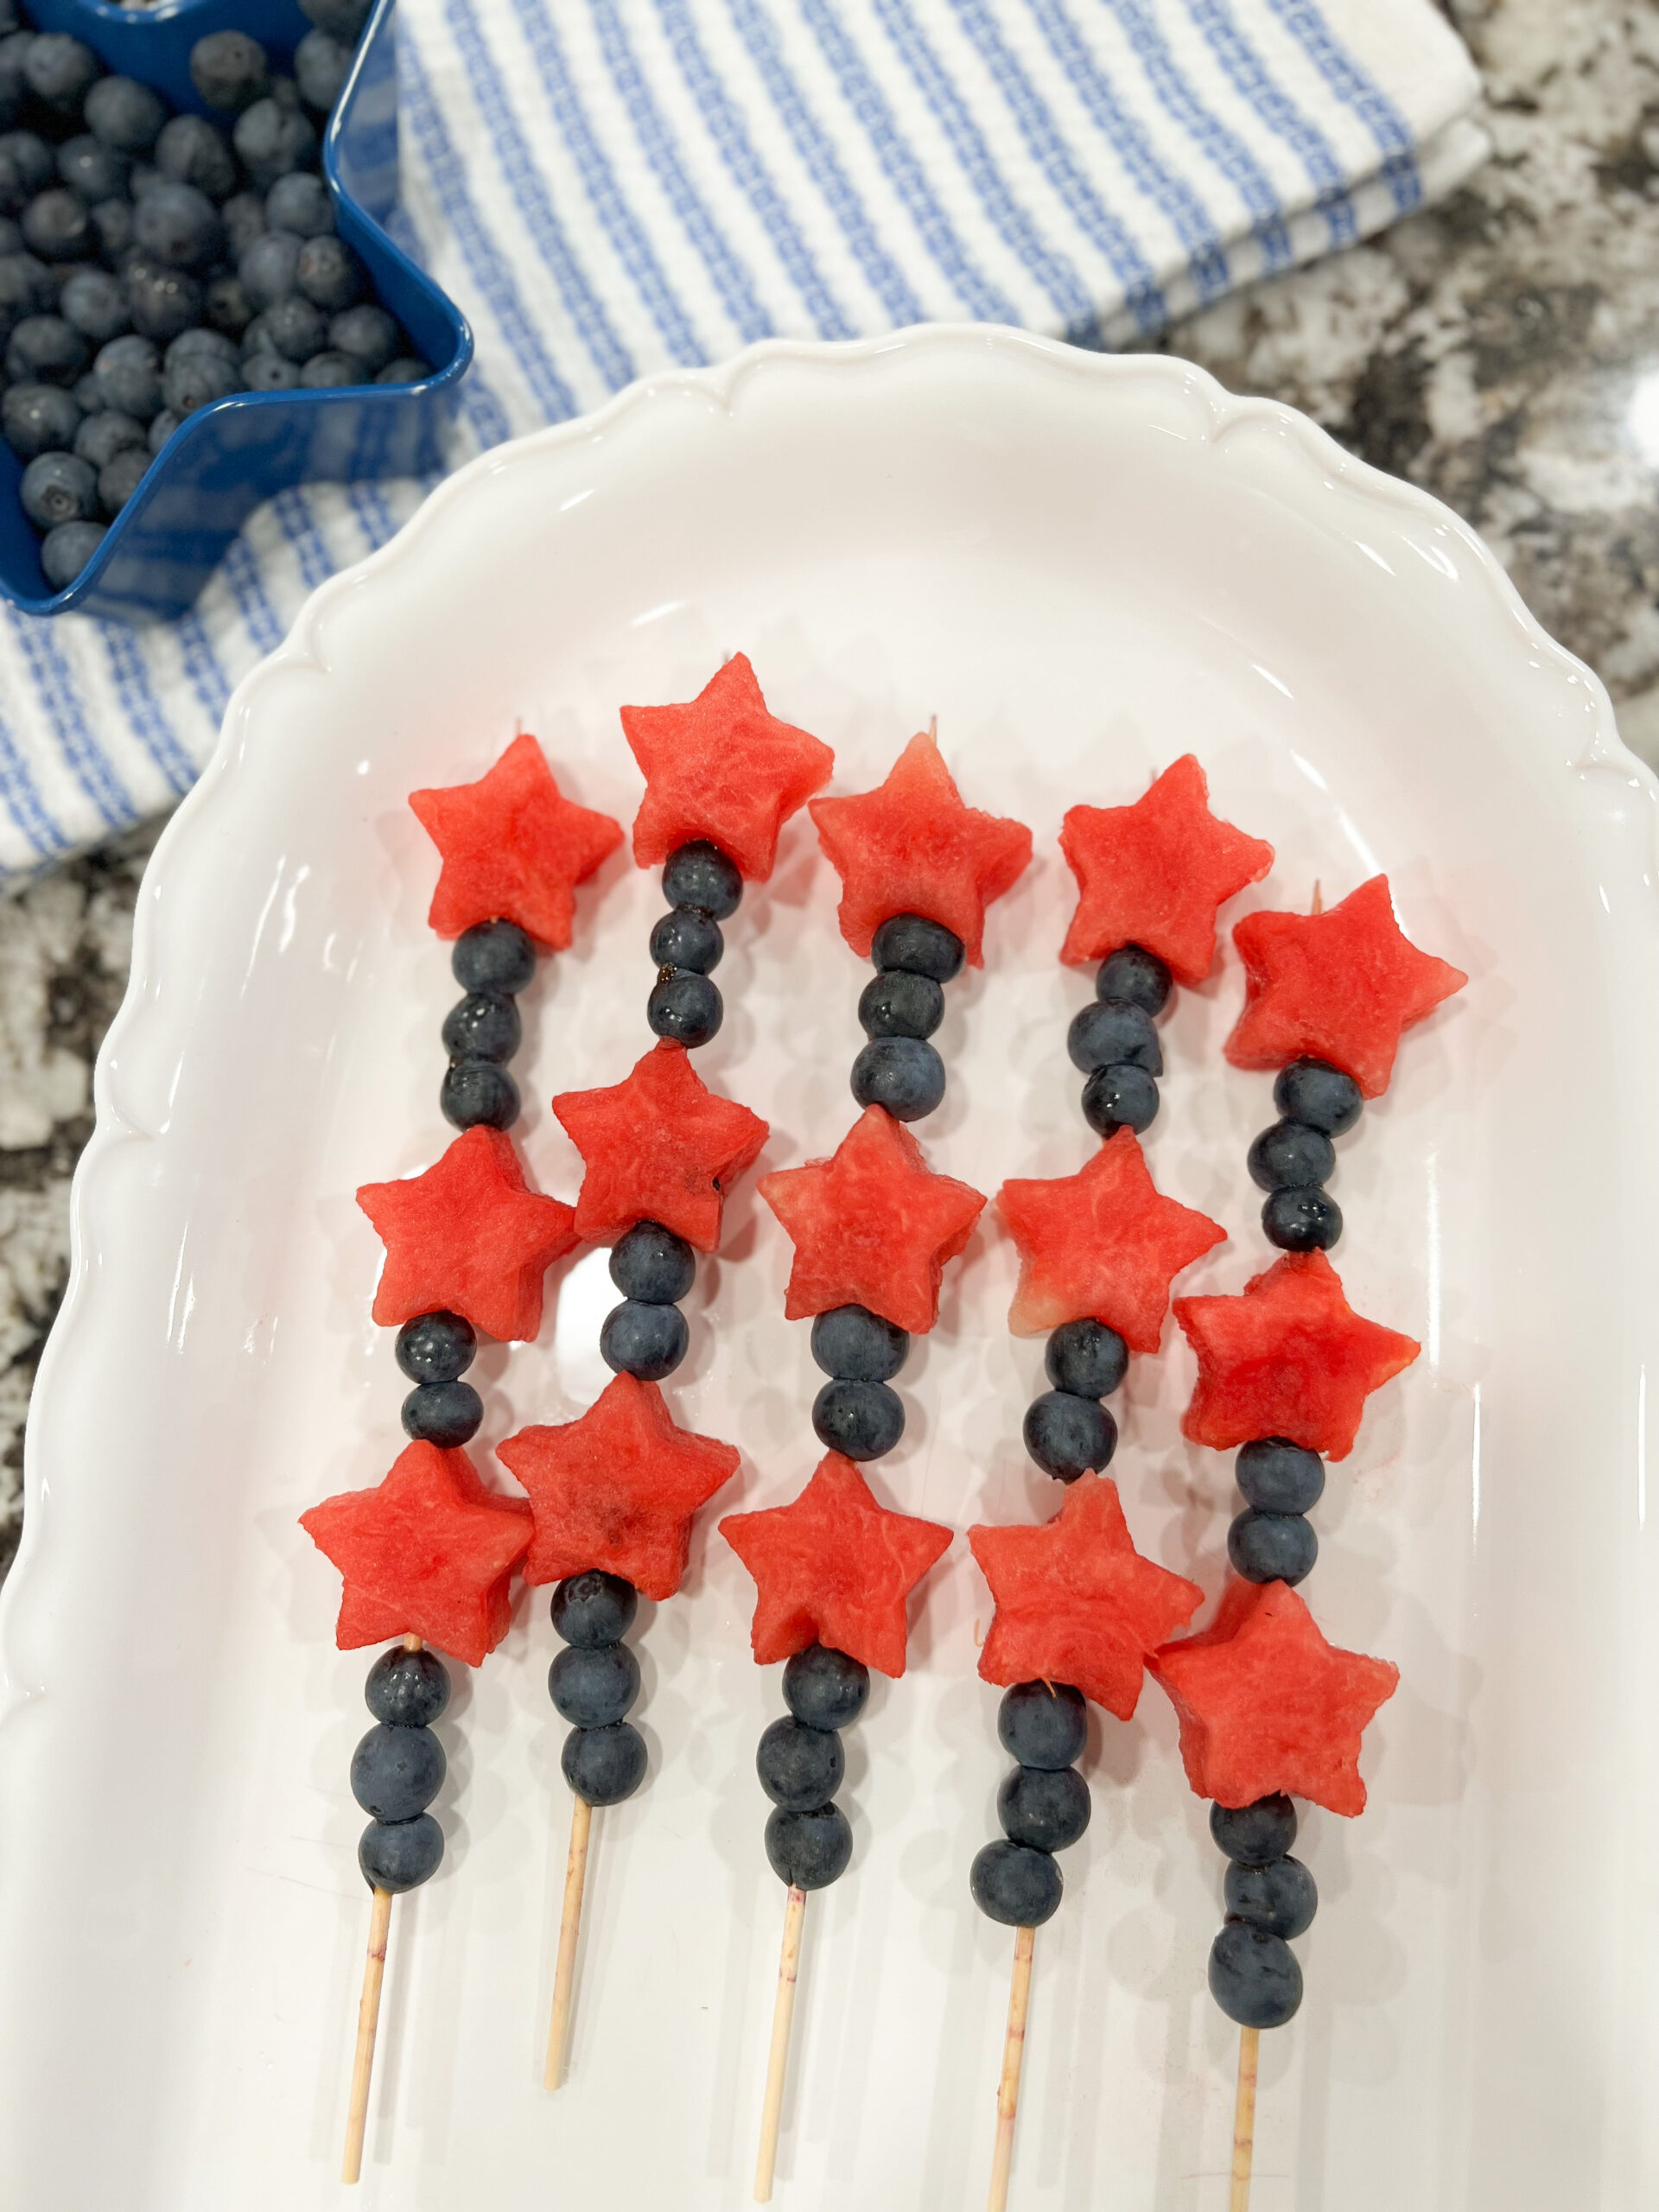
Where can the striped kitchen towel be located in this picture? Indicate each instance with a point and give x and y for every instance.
(613, 186)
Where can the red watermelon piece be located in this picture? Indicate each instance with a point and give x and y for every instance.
(1290, 1357)
(835, 1568)
(1075, 1602)
(1266, 1704)
(513, 847)
(912, 848)
(1153, 874)
(1339, 986)
(1101, 1244)
(721, 768)
(468, 1237)
(660, 1147)
(428, 1552)
(873, 1226)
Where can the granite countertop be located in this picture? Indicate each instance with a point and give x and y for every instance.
(1500, 349)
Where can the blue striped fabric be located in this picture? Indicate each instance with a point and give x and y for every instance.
(615, 187)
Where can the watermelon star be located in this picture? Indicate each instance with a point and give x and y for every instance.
(1102, 1245)
(617, 1489)
(1266, 1704)
(1075, 1602)
(428, 1552)
(912, 848)
(1153, 874)
(513, 847)
(720, 766)
(835, 1568)
(660, 1147)
(1338, 985)
(1290, 1357)
(873, 1226)
(468, 1237)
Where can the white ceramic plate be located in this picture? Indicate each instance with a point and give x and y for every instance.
(1084, 567)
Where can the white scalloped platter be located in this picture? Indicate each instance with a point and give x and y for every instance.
(1084, 567)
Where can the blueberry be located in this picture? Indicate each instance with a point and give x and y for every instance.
(396, 1773)
(1252, 1835)
(476, 1093)
(197, 380)
(329, 274)
(190, 343)
(905, 1074)
(31, 159)
(493, 956)
(896, 1003)
(44, 349)
(484, 1025)
(919, 946)
(685, 938)
(856, 1345)
(1119, 1098)
(129, 374)
(647, 1341)
(300, 203)
(24, 291)
(60, 71)
(800, 1768)
(1015, 1884)
(436, 1347)
(179, 225)
(124, 114)
(67, 549)
(1134, 974)
(38, 418)
(593, 1687)
(402, 1855)
(808, 1850)
(162, 427)
(824, 1688)
(594, 1608)
(57, 487)
(448, 1414)
(700, 875)
(683, 1007)
(320, 66)
(604, 1765)
(272, 138)
(341, 19)
(1254, 1977)
(1315, 1092)
(113, 227)
(226, 306)
(104, 433)
(1114, 1032)
(861, 1421)
(1043, 1724)
(1280, 1896)
(407, 1689)
(1278, 1476)
(229, 70)
(407, 369)
(1045, 1808)
(243, 218)
(163, 300)
(190, 150)
(270, 372)
(1301, 1221)
(1272, 1547)
(327, 371)
(1066, 1435)
(650, 1264)
(1086, 1359)
(294, 328)
(84, 391)
(1291, 1155)
(92, 171)
(94, 303)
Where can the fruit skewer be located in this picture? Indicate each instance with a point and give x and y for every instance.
(430, 1554)
(1078, 1612)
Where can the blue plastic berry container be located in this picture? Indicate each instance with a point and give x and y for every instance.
(224, 459)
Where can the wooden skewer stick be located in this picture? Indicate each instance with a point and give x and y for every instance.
(1249, 2040)
(564, 1974)
(1013, 2051)
(783, 2013)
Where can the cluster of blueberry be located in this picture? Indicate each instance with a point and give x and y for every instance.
(800, 1764)
(594, 1684)
(493, 962)
(1269, 1897)
(152, 262)
(899, 1010)
(398, 1769)
(1115, 1044)
(1293, 1160)
(1043, 1805)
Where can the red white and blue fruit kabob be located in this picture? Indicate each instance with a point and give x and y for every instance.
(1078, 1610)
(873, 1228)
(429, 1554)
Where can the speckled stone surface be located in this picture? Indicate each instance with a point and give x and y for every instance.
(1501, 350)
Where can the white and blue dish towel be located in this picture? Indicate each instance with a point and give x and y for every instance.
(609, 187)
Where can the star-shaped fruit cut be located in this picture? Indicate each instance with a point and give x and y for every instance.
(429, 1552)
(835, 1568)
(1075, 1602)
(910, 847)
(468, 1237)
(1153, 874)
(1289, 1358)
(513, 847)
(1101, 1244)
(1266, 1704)
(721, 768)
(1339, 986)
(873, 1226)
(660, 1147)
(617, 1489)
